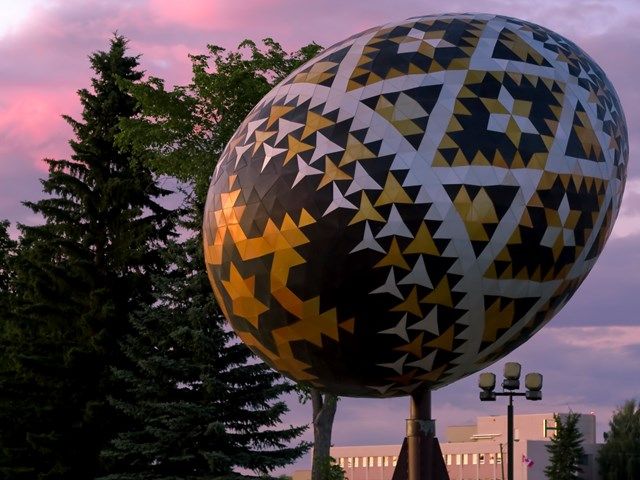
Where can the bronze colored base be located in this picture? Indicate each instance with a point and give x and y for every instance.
(432, 466)
(420, 457)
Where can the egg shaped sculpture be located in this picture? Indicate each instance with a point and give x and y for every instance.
(415, 202)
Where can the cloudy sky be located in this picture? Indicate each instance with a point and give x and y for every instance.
(589, 354)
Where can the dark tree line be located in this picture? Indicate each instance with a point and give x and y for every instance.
(114, 360)
(619, 457)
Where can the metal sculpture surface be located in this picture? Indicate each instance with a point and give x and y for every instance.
(415, 202)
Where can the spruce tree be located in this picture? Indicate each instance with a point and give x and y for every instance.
(199, 405)
(7, 250)
(79, 276)
(10, 427)
(565, 450)
(182, 130)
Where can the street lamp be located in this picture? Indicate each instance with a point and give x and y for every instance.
(511, 382)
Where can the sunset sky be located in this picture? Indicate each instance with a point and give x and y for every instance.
(589, 354)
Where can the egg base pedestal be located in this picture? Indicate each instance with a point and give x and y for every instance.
(420, 456)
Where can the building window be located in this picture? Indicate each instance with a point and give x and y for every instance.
(379, 461)
(458, 459)
(341, 462)
(481, 457)
(394, 461)
(499, 458)
(492, 459)
(474, 459)
(449, 458)
(371, 461)
(549, 428)
(584, 460)
(364, 461)
(356, 462)
(465, 459)
(386, 461)
(349, 462)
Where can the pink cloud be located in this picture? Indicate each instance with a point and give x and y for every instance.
(169, 62)
(31, 126)
(610, 338)
(200, 13)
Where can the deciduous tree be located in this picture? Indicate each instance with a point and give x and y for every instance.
(183, 131)
(619, 457)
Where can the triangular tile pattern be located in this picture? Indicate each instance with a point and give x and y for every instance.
(518, 114)
(321, 72)
(421, 47)
(415, 203)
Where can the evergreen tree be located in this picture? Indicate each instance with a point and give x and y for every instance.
(565, 450)
(10, 427)
(619, 457)
(182, 130)
(199, 406)
(7, 250)
(78, 278)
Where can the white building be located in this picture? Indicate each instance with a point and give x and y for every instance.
(476, 452)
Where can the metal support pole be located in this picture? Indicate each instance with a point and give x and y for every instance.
(420, 456)
(418, 424)
(510, 439)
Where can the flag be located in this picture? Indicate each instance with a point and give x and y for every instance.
(527, 461)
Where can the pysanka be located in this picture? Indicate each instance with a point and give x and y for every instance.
(415, 202)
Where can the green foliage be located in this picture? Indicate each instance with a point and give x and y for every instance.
(7, 251)
(10, 425)
(110, 366)
(565, 450)
(183, 131)
(619, 457)
(199, 405)
(332, 471)
(77, 278)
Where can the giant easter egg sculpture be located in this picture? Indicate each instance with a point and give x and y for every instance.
(415, 202)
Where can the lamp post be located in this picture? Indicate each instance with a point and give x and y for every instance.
(511, 383)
